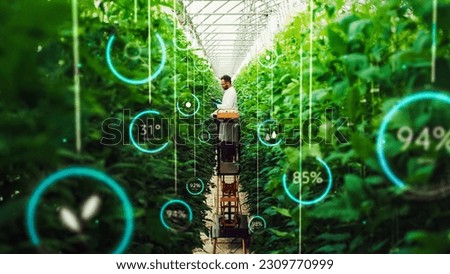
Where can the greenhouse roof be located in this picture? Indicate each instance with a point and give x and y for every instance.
(231, 31)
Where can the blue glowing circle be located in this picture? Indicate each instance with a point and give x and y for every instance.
(175, 201)
(270, 65)
(80, 172)
(198, 192)
(426, 95)
(259, 135)
(197, 108)
(318, 199)
(134, 81)
(258, 218)
(134, 141)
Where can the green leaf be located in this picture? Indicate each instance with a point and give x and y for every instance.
(338, 44)
(363, 146)
(282, 211)
(281, 234)
(334, 237)
(354, 185)
(356, 29)
(329, 249)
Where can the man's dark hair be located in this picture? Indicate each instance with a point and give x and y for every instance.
(226, 78)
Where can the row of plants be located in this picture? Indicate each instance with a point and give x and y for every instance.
(365, 58)
(37, 124)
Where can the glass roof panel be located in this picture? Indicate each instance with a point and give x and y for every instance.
(228, 29)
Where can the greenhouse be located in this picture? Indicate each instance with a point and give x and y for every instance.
(225, 126)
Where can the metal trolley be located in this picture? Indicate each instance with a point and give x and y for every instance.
(230, 223)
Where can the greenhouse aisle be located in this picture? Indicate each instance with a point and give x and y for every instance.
(225, 245)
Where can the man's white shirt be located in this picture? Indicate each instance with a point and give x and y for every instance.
(229, 99)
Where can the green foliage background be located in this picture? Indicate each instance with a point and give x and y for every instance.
(37, 124)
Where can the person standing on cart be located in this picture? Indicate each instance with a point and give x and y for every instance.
(228, 132)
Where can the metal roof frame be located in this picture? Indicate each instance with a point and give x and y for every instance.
(226, 30)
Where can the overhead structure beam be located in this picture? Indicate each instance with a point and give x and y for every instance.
(226, 60)
(224, 33)
(229, 40)
(219, 51)
(204, 7)
(221, 16)
(231, 14)
(225, 50)
(193, 1)
(225, 45)
(214, 53)
(230, 25)
(229, 55)
(229, 29)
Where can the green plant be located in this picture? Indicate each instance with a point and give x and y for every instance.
(37, 131)
(362, 60)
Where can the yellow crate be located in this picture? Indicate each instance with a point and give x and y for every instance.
(227, 114)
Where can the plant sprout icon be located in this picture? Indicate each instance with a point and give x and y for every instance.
(273, 136)
(89, 209)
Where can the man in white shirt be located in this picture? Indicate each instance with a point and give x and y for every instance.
(228, 131)
(229, 100)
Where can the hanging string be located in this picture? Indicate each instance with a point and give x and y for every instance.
(135, 10)
(300, 151)
(175, 166)
(76, 75)
(434, 42)
(257, 120)
(149, 17)
(311, 29)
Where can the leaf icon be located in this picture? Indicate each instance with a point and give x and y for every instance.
(274, 135)
(69, 219)
(90, 207)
